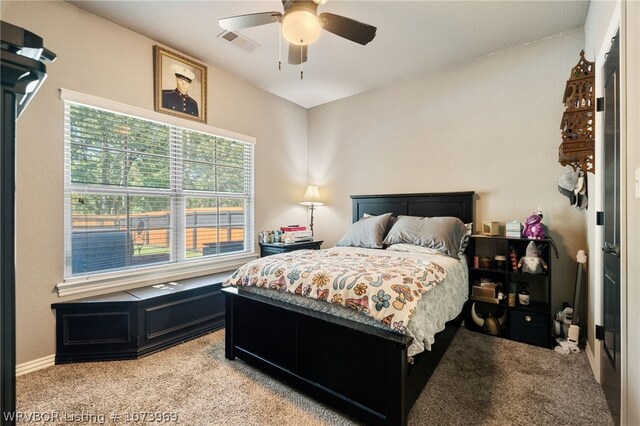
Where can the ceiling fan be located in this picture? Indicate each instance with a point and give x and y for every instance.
(301, 26)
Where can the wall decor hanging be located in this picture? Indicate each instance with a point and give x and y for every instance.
(180, 85)
(578, 121)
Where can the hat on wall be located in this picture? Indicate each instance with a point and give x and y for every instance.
(582, 202)
(573, 185)
(182, 72)
(567, 185)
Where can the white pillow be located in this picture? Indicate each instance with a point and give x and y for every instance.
(411, 248)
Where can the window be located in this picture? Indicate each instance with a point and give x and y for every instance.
(142, 193)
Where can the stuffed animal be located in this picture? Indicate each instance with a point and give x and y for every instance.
(531, 262)
(533, 227)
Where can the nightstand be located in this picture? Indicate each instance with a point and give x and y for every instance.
(267, 249)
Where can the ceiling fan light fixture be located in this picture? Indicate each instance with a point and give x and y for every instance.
(301, 27)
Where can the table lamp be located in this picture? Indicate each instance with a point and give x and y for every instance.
(312, 199)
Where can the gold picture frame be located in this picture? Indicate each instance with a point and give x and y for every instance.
(180, 85)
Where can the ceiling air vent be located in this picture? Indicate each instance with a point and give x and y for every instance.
(239, 41)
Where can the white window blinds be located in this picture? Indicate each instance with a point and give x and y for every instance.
(140, 193)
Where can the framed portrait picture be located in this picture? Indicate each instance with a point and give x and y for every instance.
(180, 85)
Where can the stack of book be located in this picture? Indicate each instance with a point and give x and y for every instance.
(292, 228)
(296, 233)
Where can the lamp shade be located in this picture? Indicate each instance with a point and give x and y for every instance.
(311, 197)
(301, 27)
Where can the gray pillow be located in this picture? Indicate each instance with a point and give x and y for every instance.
(441, 233)
(392, 221)
(368, 232)
(464, 241)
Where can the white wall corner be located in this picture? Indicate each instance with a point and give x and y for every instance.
(35, 365)
(595, 367)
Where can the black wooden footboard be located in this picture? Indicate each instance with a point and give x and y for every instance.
(359, 369)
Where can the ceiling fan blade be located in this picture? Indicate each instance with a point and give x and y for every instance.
(234, 23)
(295, 58)
(348, 28)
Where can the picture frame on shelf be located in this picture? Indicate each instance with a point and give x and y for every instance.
(180, 85)
(490, 228)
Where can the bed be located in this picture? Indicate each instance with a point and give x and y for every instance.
(363, 370)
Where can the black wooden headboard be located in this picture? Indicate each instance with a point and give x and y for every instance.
(456, 204)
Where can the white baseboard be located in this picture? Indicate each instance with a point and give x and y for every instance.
(35, 365)
(594, 365)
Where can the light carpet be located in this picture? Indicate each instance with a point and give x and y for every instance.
(481, 380)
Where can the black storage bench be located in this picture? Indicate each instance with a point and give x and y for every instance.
(133, 323)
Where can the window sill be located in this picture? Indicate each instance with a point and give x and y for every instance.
(152, 275)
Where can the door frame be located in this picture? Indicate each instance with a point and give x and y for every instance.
(611, 364)
(616, 23)
(631, 67)
(597, 201)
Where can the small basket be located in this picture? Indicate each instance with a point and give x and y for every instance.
(485, 262)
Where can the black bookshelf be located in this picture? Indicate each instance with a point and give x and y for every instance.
(525, 323)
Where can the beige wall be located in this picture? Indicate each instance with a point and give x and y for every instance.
(100, 58)
(490, 125)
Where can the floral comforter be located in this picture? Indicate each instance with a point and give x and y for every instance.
(382, 287)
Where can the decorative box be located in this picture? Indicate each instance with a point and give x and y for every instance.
(514, 229)
(484, 290)
(485, 262)
(490, 228)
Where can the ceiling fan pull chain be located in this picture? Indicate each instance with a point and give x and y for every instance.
(301, 61)
(280, 48)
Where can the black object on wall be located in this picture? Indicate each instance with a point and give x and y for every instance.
(22, 71)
